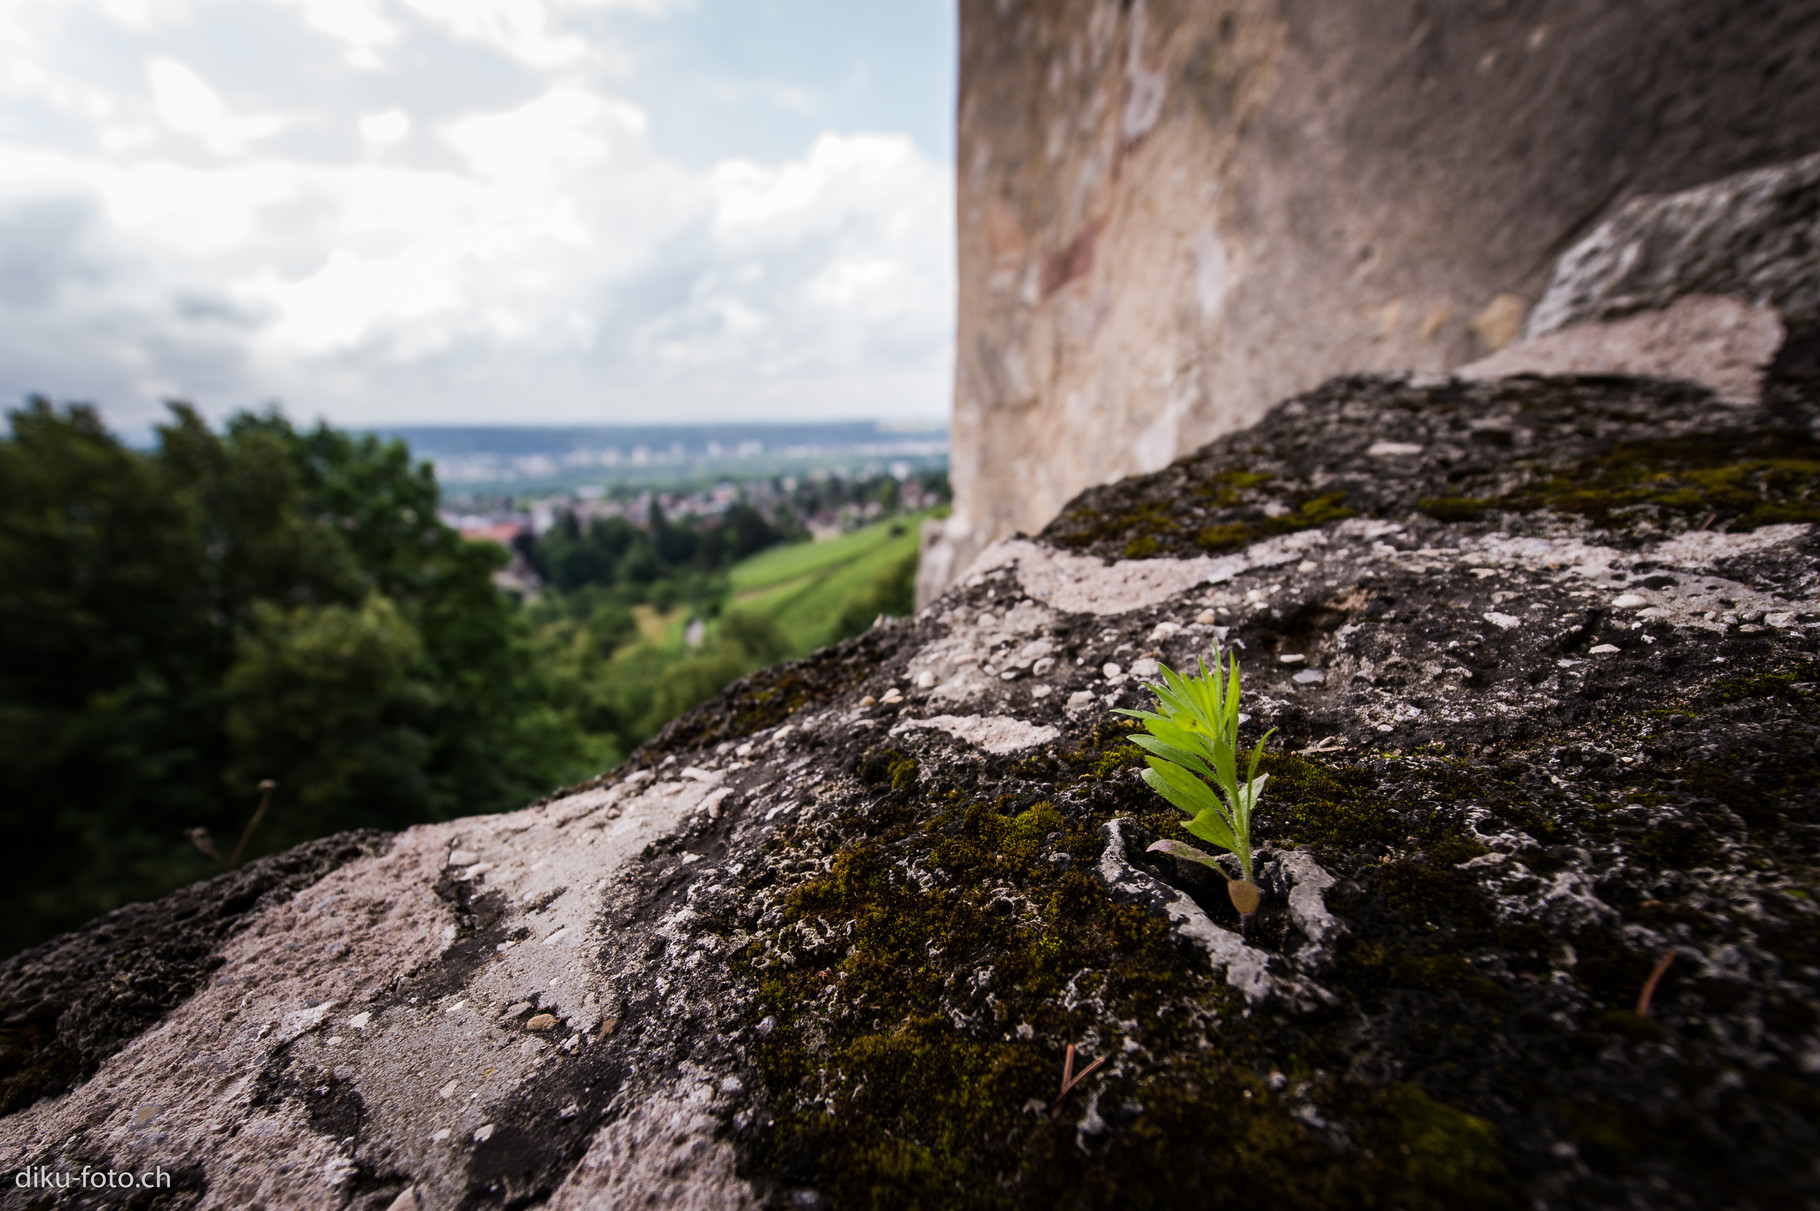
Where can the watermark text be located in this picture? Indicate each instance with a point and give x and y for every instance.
(44, 1177)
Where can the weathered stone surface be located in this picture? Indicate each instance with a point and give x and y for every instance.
(1708, 285)
(1541, 659)
(1715, 340)
(72, 1003)
(1754, 236)
(1174, 215)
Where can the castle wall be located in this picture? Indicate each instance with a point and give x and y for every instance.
(1174, 214)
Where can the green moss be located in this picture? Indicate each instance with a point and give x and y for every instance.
(1233, 486)
(1151, 529)
(1134, 525)
(1228, 536)
(1105, 752)
(899, 1074)
(1442, 1156)
(1321, 803)
(888, 767)
(1309, 512)
(1793, 685)
(1452, 508)
(1143, 547)
(883, 1099)
(1450, 851)
(1034, 824)
(1433, 895)
(1728, 482)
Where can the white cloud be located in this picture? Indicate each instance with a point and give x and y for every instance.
(187, 104)
(517, 27)
(359, 25)
(385, 128)
(536, 260)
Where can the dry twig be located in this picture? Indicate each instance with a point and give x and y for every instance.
(1649, 985)
(1070, 1079)
(265, 800)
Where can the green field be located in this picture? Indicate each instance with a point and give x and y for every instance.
(805, 586)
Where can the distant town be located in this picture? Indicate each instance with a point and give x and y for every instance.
(505, 460)
(512, 485)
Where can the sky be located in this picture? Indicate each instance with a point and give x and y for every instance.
(386, 212)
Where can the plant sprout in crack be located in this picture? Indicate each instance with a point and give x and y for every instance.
(1193, 751)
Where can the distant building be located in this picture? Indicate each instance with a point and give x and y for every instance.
(502, 532)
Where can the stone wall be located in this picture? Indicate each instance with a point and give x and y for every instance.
(1172, 215)
(1539, 664)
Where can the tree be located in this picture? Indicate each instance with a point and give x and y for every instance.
(260, 602)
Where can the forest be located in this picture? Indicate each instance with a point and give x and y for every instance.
(263, 602)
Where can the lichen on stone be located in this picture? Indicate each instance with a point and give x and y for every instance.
(841, 940)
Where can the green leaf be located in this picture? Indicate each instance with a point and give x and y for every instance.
(1213, 826)
(1180, 849)
(1171, 732)
(1180, 787)
(1169, 752)
(1192, 738)
(1249, 794)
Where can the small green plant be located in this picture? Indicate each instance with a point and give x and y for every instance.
(1193, 747)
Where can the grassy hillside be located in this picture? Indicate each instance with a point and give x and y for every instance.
(805, 587)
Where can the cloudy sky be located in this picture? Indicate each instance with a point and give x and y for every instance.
(479, 211)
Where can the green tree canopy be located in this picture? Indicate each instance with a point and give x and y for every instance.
(257, 603)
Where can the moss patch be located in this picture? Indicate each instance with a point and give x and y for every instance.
(1732, 482)
(914, 1062)
(1226, 513)
(1452, 508)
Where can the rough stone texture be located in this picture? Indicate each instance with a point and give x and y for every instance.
(1710, 339)
(1541, 657)
(1753, 236)
(1174, 215)
(72, 1003)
